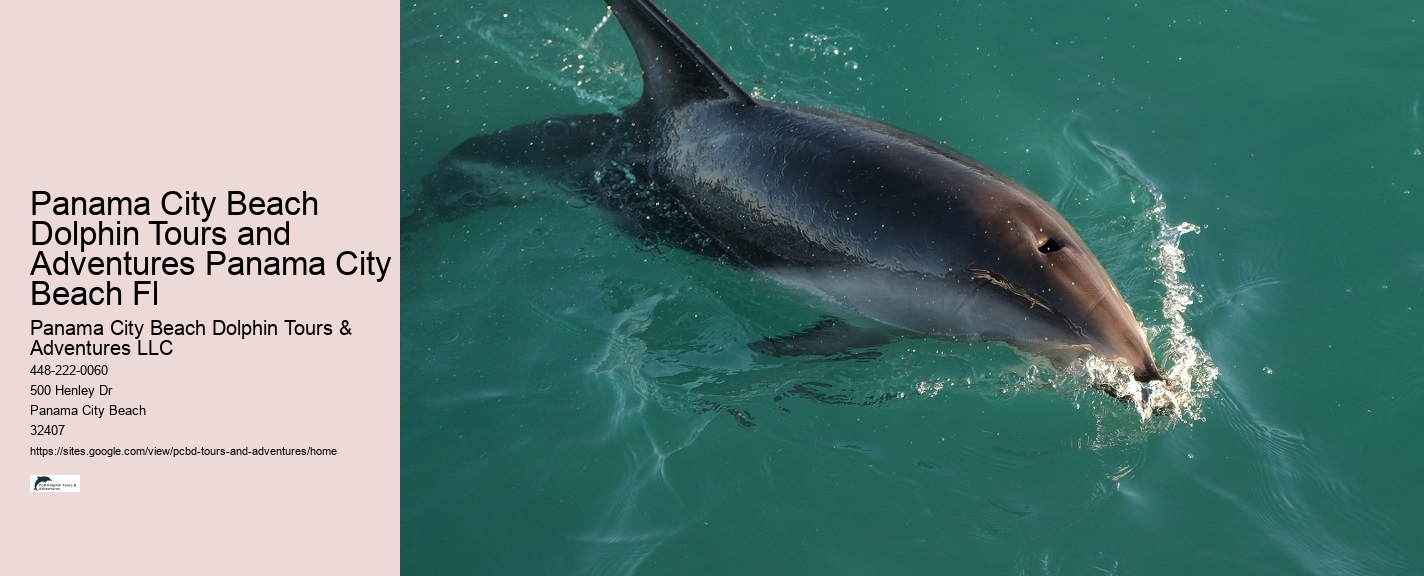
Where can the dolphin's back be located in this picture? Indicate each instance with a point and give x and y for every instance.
(795, 186)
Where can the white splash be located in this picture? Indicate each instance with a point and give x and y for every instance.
(561, 56)
(1190, 372)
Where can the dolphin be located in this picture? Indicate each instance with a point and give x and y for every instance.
(899, 234)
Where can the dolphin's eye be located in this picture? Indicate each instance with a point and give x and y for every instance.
(554, 128)
(470, 199)
(1050, 246)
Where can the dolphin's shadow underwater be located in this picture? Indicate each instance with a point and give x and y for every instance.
(900, 236)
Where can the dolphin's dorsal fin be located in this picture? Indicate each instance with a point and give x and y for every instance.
(675, 70)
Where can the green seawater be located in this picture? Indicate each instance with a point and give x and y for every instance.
(1250, 173)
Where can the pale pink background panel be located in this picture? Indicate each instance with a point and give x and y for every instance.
(132, 99)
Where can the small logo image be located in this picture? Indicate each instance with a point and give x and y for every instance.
(54, 483)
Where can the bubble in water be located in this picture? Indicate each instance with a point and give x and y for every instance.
(852, 65)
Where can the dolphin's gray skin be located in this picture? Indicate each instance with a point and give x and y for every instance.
(886, 225)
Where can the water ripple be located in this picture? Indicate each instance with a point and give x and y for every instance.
(1300, 499)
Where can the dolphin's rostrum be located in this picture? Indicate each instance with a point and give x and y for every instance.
(897, 232)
